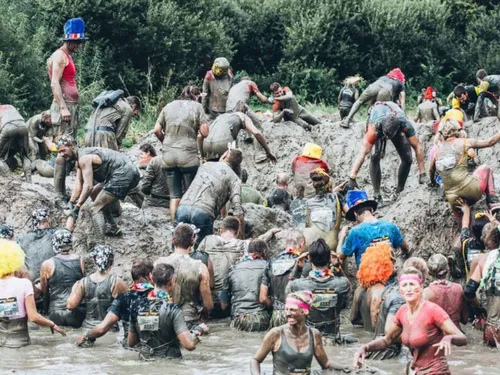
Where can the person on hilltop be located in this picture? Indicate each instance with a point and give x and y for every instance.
(64, 109)
(427, 110)
(286, 107)
(386, 121)
(216, 86)
(178, 127)
(241, 93)
(348, 95)
(390, 87)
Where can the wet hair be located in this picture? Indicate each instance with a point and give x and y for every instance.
(300, 190)
(419, 264)
(409, 270)
(304, 296)
(134, 100)
(294, 238)
(244, 175)
(183, 236)
(274, 86)
(458, 91)
(231, 223)
(478, 223)
(147, 147)
(492, 237)
(190, 92)
(141, 268)
(258, 247)
(11, 257)
(376, 265)
(234, 159)
(481, 73)
(282, 178)
(438, 266)
(103, 255)
(162, 274)
(319, 253)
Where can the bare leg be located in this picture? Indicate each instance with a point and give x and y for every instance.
(487, 185)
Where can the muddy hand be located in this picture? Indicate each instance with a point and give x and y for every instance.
(444, 345)
(359, 359)
(340, 188)
(56, 328)
(66, 115)
(351, 184)
(272, 158)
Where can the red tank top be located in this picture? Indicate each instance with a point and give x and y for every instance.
(68, 80)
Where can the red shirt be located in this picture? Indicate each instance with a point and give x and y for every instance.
(68, 80)
(304, 165)
(450, 297)
(420, 335)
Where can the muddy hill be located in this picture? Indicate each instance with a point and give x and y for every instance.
(423, 216)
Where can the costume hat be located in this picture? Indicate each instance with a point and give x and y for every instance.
(356, 199)
(74, 30)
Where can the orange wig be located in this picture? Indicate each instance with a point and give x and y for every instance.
(376, 265)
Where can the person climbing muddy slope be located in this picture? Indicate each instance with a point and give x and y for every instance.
(216, 86)
(304, 164)
(348, 95)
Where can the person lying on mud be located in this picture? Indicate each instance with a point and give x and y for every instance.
(157, 325)
(241, 288)
(446, 294)
(286, 107)
(216, 86)
(225, 129)
(121, 307)
(485, 276)
(386, 121)
(324, 211)
(450, 161)
(294, 345)
(304, 164)
(377, 299)
(331, 293)
(115, 174)
(424, 327)
(390, 87)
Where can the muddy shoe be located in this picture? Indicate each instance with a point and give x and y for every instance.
(380, 201)
(61, 201)
(260, 157)
(346, 123)
(113, 231)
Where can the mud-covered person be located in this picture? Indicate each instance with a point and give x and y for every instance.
(216, 86)
(57, 277)
(40, 134)
(490, 89)
(225, 129)
(280, 198)
(241, 93)
(444, 293)
(286, 107)
(298, 207)
(386, 121)
(147, 152)
(157, 325)
(215, 184)
(241, 290)
(331, 293)
(390, 87)
(348, 95)
(14, 140)
(115, 175)
(99, 289)
(108, 126)
(177, 128)
(248, 193)
(427, 111)
(294, 344)
(192, 280)
(121, 307)
(154, 184)
(465, 98)
(304, 164)
(278, 272)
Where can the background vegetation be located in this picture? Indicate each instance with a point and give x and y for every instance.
(150, 48)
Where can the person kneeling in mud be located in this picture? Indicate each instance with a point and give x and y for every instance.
(286, 108)
(386, 121)
(323, 211)
(377, 300)
(241, 290)
(293, 345)
(157, 324)
(116, 176)
(450, 161)
(330, 293)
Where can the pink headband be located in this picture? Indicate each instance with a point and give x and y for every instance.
(409, 277)
(297, 303)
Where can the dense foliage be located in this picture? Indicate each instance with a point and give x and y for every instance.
(151, 47)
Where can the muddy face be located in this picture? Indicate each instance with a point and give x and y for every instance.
(411, 290)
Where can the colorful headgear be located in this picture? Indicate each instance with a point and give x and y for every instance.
(312, 151)
(428, 93)
(61, 238)
(6, 231)
(356, 199)
(11, 257)
(397, 74)
(103, 256)
(220, 66)
(74, 30)
(192, 226)
(39, 215)
(65, 140)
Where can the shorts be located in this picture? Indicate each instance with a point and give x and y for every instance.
(199, 218)
(122, 182)
(67, 318)
(177, 177)
(256, 322)
(61, 127)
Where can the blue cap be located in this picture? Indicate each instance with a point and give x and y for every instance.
(357, 199)
(74, 29)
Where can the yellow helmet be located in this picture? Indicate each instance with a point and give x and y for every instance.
(312, 151)
(220, 66)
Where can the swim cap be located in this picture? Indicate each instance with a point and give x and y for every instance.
(61, 239)
(438, 265)
(66, 140)
(6, 231)
(39, 215)
(312, 151)
(103, 256)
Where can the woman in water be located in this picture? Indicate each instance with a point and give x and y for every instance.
(424, 327)
(294, 344)
(17, 301)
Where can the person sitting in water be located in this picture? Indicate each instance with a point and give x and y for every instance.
(294, 344)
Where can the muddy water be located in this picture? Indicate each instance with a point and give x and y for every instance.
(224, 351)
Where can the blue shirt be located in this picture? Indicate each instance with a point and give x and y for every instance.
(361, 237)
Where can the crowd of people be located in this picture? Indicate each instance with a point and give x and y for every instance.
(298, 295)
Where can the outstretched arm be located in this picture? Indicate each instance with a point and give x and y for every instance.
(252, 129)
(477, 143)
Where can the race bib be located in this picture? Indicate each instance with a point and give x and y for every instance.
(299, 371)
(324, 299)
(148, 321)
(8, 307)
